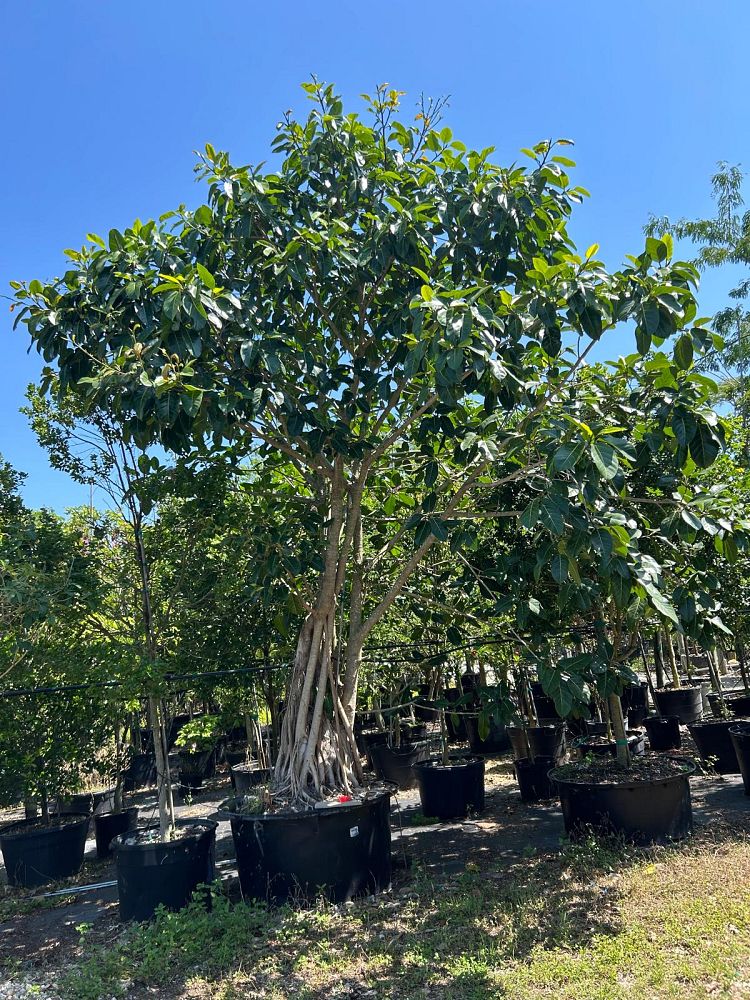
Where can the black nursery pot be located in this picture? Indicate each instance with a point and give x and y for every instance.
(545, 706)
(518, 741)
(140, 772)
(343, 849)
(35, 855)
(686, 703)
(196, 767)
(737, 704)
(369, 738)
(451, 790)
(150, 873)
(396, 763)
(547, 740)
(246, 777)
(663, 732)
(454, 722)
(646, 812)
(109, 825)
(739, 733)
(635, 704)
(533, 778)
(596, 728)
(87, 802)
(714, 743)
(497, 740)
(636, 745)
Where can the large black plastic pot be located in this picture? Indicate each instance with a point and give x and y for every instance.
(518, 741)
(153, 872)
(413, 731)
(545, 706)
(87, 802)
(663, 732)
(424, 709)
(236, 753)
(737, 704)
(109, 825)
(714, 745)
(533, 778)
(246, 777)
(547, 740)
(646, 812)
(343, 850)
(140, 772)
(686, 703)
(196, 767)
(35, 855)
(589, 745)
(496, 741)
(596, 728)
(451, 790)
(396, 763)
(740, 736)
(635, 704)
(368, 738)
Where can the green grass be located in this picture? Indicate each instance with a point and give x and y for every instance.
(597, 922)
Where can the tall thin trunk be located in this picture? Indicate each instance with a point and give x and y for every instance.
(672, 661)
(618, 727)
(743, 665)
(658, 661)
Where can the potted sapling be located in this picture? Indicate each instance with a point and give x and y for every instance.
(450, 786)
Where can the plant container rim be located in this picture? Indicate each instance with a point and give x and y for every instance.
(733, 721)
(119, 844)
(436, 764)
(682, 687)
(739, 727)
(19, 828)
(689, 769)
(117, 812)
(228, 808)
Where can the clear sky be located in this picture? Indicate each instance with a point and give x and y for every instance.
(103, 103)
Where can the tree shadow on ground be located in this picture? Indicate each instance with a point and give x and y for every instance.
(467, 898)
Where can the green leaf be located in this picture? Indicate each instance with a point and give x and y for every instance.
(530, 516)
(704, 446)
(438, 529)
(206, 277)
(559, 567)
(567, 455)
(605, 459)
(620, 587)
(683, 351)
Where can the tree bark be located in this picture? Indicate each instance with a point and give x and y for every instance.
(618, 727)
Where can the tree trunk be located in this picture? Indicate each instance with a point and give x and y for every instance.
(672, 661)
(658, 661)
(317, 753)
(163, 778)
(618, 727)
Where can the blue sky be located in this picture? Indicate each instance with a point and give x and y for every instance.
(103, 104)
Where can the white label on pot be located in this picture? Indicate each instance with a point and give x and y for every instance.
(354, 831)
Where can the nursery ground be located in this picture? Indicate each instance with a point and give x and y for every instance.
(497, 906)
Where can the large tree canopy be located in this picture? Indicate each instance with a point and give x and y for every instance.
(385, 306)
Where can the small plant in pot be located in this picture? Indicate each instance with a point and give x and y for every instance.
(61, 737)
(450, 786)
(121, 817)
(196, 745)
